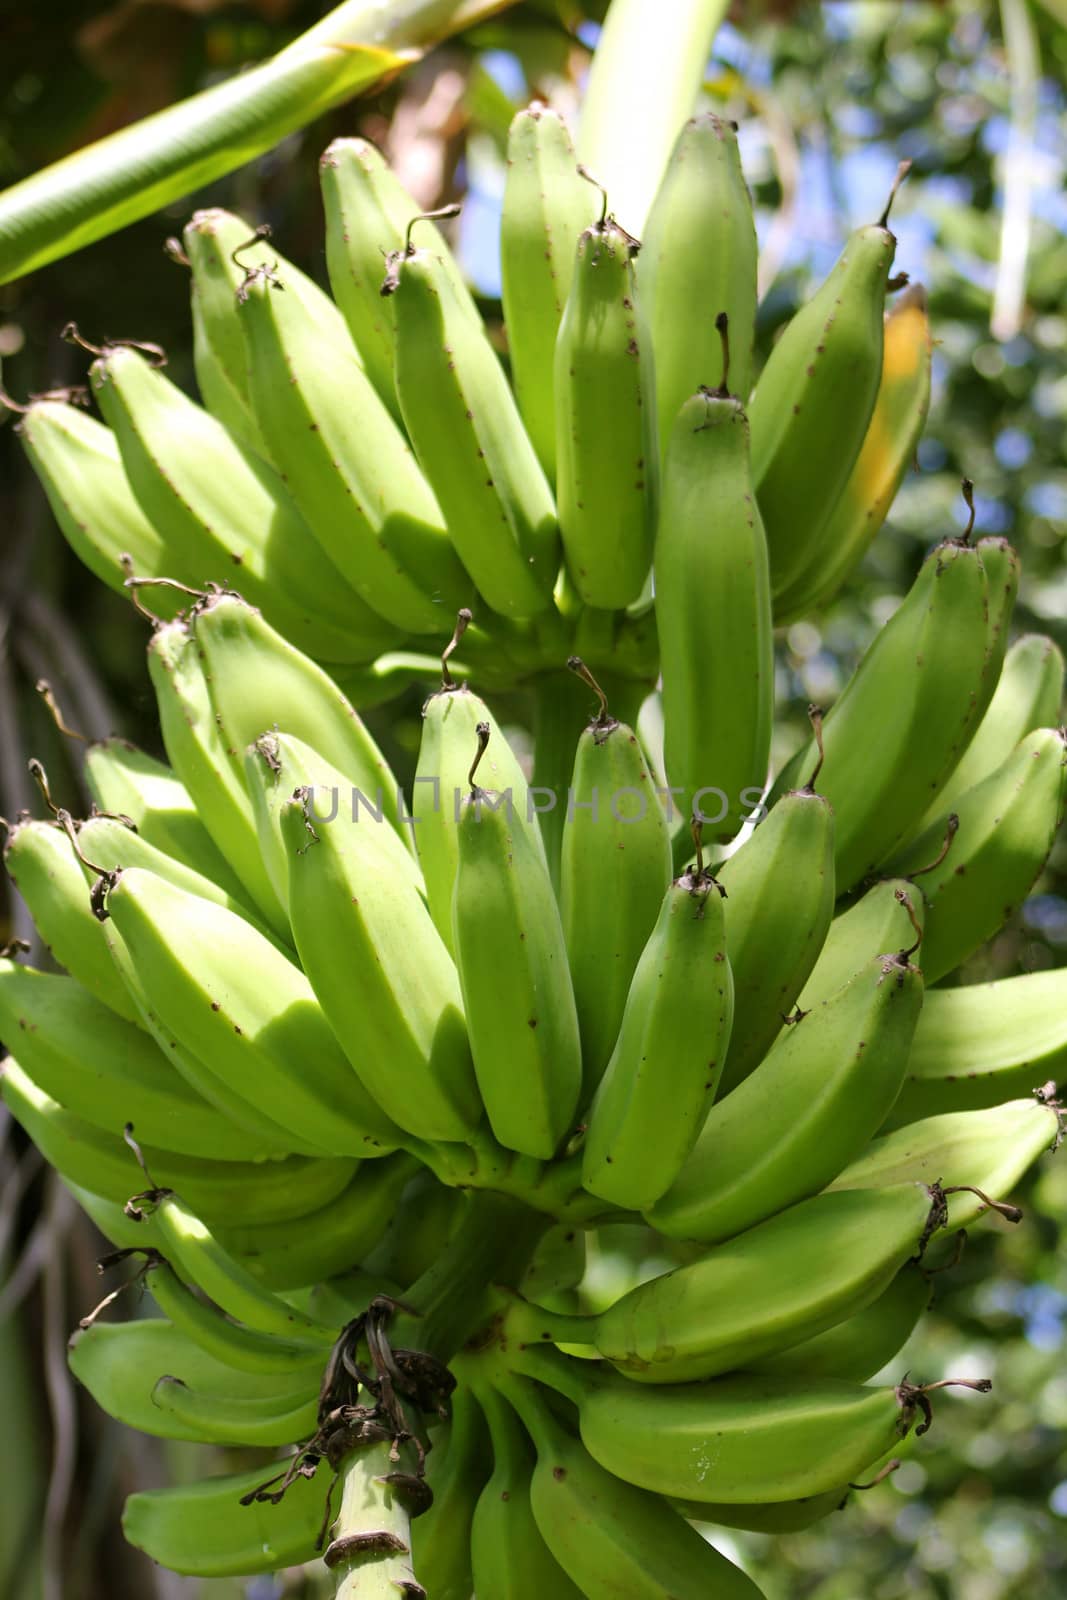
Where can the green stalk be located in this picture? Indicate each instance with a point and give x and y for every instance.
(373, 1528)
(133, 172)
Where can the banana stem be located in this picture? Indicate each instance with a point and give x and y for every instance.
(451, 1300)
(561, 709)
(371, 1548)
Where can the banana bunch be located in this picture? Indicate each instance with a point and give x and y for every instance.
(353, 1078)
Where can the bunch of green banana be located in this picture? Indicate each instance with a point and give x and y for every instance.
(359, 1093)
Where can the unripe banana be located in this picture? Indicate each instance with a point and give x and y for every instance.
(201, 1259)
(120, 1363)
(717, 657)
(780, 901)
(1005, 829)
(615, 867)
(517, 991)
(194, 1528)
(699, 252)
(78, 464)
(743, 1440)
(608, 1535)
(806, 1110)
(546, 206)
(607, 462)
(887, 917)
(814, 399)
(245, 1011)
(293, 1253)
(107, 1071)
(982, 1045)
(367, 213)
(862, 1345)
(456, 1470)
(259, 681)
(201, 756)
(220, 394)
(888, 450)
(1029, 695)
(470, 442)
(225, 509)
(221, 249)
(990, 1149)
(282, 1418)
(126, 782)
(510, 1558)
(243, 1348)
(233, 1192)
(785, 1280)
(662, 1076)
(41, 863)
(346, 463)
(911, 708)
(381, 973)
(450, 720)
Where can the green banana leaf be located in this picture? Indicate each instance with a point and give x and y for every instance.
(131, 173)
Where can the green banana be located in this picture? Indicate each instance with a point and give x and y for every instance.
(243, 1010)
(201, 1259)
(887, 451)
(303, 1250)
(785, 1280)
(105, 1070)
(121, 1364)
(863, 1345)
(212, 1529)
(607, 1533)
(888, 917)
(699, 250)
(1006, 827)
(814, 399)
(1029, 695)
(78, 464)
(510, 1559)
(259, 681)
(615, 866)
(810, 1106)
(780, 902)
(990, 1149)
(654, 1096)
(108, 842)
(517, 991)
(226, 1192)
(213, 240)
(275, 766)
(126, 782)
(40, 861)
(243, 1348)
(607, 463)
(773, 1516)
(456, 1469)
(200, 754)
(383, 977)
(910, 709)
(346, 463)
(546, 206)
(367, 213)
(227, 510)
(450, 720)
(743, 1440)
(467, 434)
(556, 1268)
(221, 392)
(979, 1046)
(717, 657)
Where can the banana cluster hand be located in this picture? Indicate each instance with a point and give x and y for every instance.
(413, 1059)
